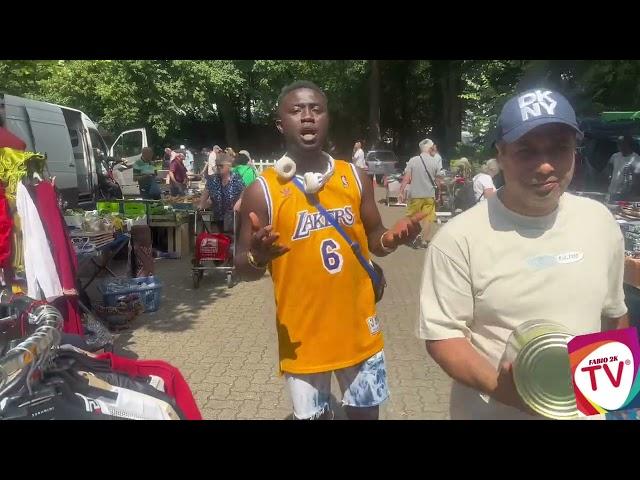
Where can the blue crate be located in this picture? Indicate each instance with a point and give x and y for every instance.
(148, 288)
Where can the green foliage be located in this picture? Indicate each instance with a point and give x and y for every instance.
(165, 94)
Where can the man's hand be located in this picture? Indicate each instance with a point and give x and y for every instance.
(262, 245)
(506, 392)
(404, 231)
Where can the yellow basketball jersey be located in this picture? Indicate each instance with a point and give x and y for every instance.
(326, 311)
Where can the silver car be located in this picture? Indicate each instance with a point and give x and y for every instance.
(381, 162)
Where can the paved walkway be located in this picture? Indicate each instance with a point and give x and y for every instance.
(224, 342)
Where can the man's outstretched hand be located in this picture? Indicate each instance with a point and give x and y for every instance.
(263, 245)
(404, 231)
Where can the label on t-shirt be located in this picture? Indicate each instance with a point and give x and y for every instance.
(545, 261)
(374, 325)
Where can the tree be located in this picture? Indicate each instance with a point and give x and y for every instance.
(24, 77)
(448, 85)
(401, 99)
(374, 103)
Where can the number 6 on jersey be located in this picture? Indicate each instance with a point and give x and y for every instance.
(331, 259)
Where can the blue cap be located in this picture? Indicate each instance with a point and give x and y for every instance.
(531, 109)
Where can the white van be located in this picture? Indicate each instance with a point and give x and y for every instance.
(76, 152)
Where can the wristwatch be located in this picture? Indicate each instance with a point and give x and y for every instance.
(253, 263)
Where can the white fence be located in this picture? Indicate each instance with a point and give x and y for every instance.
(261, 165)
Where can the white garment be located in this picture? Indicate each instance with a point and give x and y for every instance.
(211, 163)
(619, 161)
(128, 404)
(188, 161)
(39, 266)
(358, 159)
(480, 183)
(489, 270)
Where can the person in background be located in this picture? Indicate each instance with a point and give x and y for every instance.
(188, 158)
(358, 156)
(242, 167)
(178, 179)
(617, 162)
(210, 165)
(422, 172)
(246, 152)
(229, 151)
(144, 172)
(483, 186)
(224, 189)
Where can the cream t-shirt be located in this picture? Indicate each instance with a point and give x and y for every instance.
(490, 269)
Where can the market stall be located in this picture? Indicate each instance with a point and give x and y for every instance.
(47, 322)
(627, 215)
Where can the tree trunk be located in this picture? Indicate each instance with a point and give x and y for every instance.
(229, 118)
(448, 83)
(404, 132)
(247, 107)
(374, 104)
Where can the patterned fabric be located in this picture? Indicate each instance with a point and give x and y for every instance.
(363, 385)
(224, 197)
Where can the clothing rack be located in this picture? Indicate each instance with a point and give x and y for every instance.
(24, 358)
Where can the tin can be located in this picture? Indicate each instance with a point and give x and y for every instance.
(541, 370)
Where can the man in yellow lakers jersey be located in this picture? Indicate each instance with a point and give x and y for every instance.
(325, 302)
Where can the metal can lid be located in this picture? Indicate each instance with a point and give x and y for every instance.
(542, 375)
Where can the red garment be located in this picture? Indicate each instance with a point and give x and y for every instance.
(8, 139)
(64, 255)
(174, 383)
(70, 310)
(6, 225)
(179, 171)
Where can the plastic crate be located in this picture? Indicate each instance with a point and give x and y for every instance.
(110, 207)
(149, 290)
(134, 209)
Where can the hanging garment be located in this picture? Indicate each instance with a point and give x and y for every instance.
(63, 253)
(70, 310)
(6, 224)
(49, 403)
(128, 403)
(175, 384)
(55, 227)
(76, 361)
(14, 165)
(40, 267)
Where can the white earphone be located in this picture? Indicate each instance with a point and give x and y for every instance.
(312, 181)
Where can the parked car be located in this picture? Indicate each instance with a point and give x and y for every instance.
(381, 163)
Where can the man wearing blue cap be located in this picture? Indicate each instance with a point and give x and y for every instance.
(530, 252)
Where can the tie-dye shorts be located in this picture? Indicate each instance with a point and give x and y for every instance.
(363, 385)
